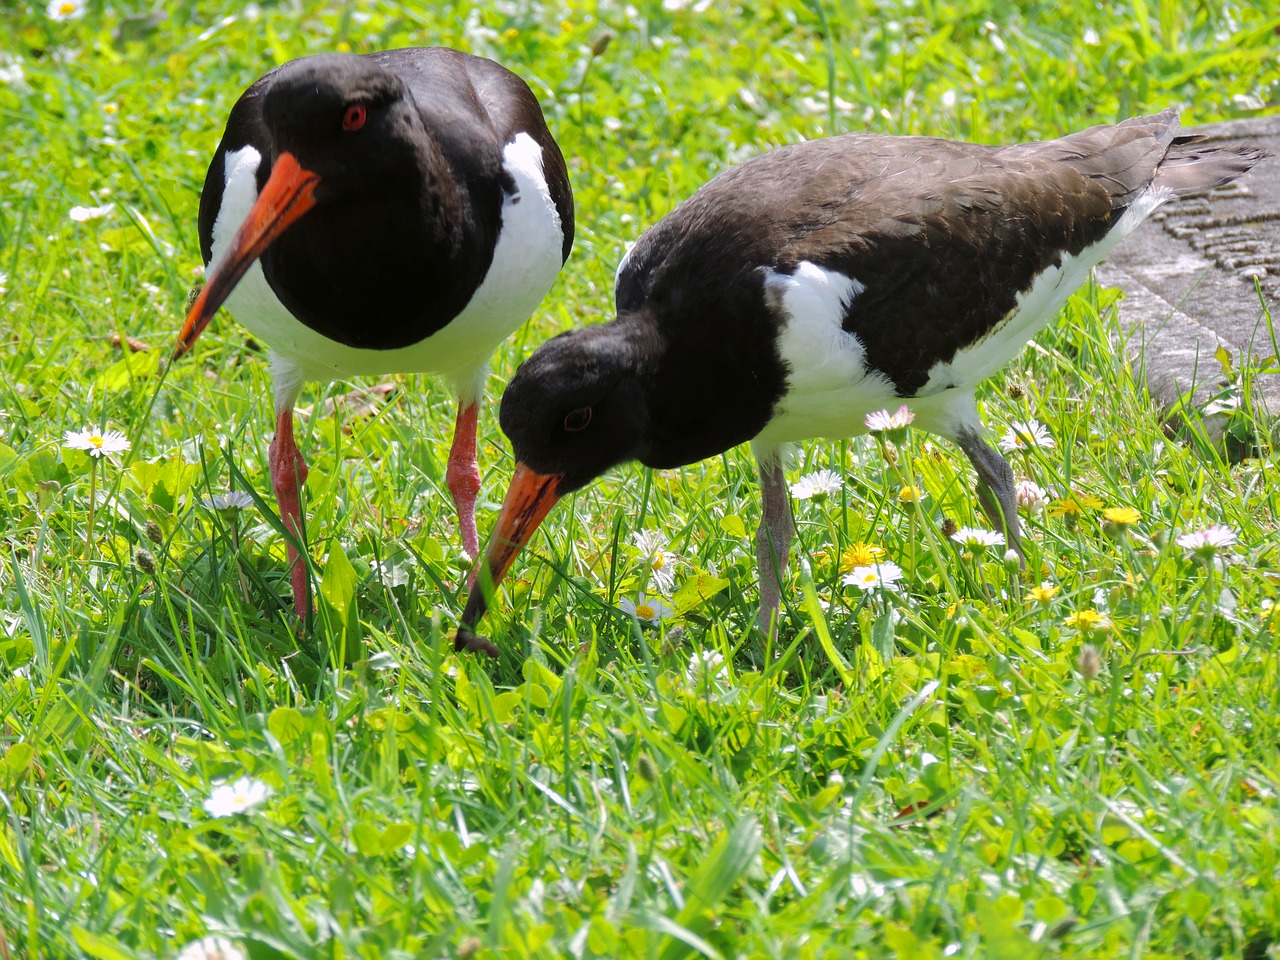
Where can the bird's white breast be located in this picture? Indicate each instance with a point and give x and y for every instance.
(830, 389)
(525, 262)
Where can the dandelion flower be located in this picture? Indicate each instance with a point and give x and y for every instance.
(1024, 436)
(881, 421)
(818, 484)
(1208, 541)
(1089, 661)
(976, 538)
(97, 443)
(228, 799)
(860, 554)
(85, 214)
(1074, 504)
(876, 576)
(62, 10)
(1087, 621)
(1121, 516)
(211, 947)
(649, 609)
(1031, 496)
(1044, 593)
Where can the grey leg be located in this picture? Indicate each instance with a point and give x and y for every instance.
(996, 494)
(773, 538)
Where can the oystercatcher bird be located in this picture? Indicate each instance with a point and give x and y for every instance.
(396, 212)
(798, 292)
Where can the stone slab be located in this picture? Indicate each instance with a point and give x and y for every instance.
(1196, 275)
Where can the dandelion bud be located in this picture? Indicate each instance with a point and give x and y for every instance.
(646, 769)
(154, 533)
(890, 451)
(949, 528)
(1014, 390)
(601, 43)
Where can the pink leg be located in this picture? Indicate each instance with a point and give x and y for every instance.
(773, 539)
(463, 476)
(288, 474)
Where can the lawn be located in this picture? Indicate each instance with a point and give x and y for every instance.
(1079, 761)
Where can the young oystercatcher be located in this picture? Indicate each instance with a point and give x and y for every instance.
(402, 211)
(796, 293)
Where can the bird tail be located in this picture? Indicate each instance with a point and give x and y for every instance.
(1194, 164)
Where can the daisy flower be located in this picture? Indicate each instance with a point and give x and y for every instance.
(228, 799)
(876, 576)
(1031, 496)
(648, 609)
(211, 947)
(976, 538)
(1024, 436)
(652, 545)
(97, 443)
(705, 663)
(61, 10)
(232, 502)
(1208, 541)
(881, 421)
(85, 214)
(818, 484)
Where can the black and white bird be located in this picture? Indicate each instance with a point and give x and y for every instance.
(794, 294)
(396, 212)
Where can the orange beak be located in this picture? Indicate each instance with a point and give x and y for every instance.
(287, 195)
(529, 499)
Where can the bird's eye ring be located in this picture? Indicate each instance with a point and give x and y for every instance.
(576, 420)
(354, 118)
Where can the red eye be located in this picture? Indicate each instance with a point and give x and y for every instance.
(577, 419)
(354, 118)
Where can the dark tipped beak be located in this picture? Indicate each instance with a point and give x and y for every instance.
(287, 195)
(529, 499)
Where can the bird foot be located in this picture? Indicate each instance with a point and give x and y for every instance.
(474, 643)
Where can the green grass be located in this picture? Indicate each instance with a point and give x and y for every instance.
(925, 774)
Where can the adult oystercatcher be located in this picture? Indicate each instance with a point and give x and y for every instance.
(796, 293)
(395, 212)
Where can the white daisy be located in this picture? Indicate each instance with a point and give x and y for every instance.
(85, 214)
(652, 545)
(1208, 541)
(882, 576)
(708, 663)
(228, 799)
(61, 10)
(1024, 436)
(99, 443)
(212, 947)
(232, 502)
(1031, 496)
(649, 609)
(818, 484)
(879, 421)
(975, 538)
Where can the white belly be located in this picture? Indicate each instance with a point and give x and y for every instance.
(525, 263)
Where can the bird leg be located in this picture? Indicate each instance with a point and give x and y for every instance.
(773, 538)
(463, 476)
(288, 474)
(995, 489)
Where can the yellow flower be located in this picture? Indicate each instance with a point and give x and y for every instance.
(342, 46)
(861, 554)
(1044, 593)
(1123, 516)
(1074, 504)
(511, 35)
(1086, 621)
(910, 494)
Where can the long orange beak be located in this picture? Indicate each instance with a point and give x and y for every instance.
(287, 195)
(529, 499)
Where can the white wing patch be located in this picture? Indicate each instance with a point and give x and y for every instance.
(526, 259)
(830, 389)
(1036, 306)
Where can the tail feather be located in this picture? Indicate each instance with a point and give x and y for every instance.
(1193, 165)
